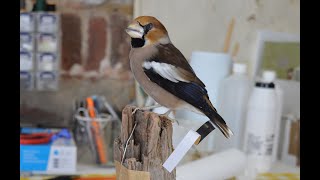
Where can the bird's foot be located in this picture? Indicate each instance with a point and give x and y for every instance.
(145, 108)
(166, 115)
(172, 120)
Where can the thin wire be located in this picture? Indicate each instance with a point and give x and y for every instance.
(125, 148)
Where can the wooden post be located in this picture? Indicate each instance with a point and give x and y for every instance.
(150, 144)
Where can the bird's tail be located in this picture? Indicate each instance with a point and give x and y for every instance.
(218, 121)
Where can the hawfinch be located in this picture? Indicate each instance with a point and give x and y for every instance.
(165, 74)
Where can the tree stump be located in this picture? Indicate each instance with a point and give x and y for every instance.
(150, 144)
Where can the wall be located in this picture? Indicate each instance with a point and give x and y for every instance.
(202, 25)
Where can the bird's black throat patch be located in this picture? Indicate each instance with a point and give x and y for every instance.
(137, 42)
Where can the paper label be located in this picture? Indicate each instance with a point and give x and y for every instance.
(181, 150)
(62, 159)
(258, 145)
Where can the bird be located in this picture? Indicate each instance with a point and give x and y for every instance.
(164, 74)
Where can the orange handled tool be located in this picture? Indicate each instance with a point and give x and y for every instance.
(98, 136)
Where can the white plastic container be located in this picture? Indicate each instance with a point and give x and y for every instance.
(26, 41)
(47, 62)
(27, 22)
(47, 42)
(26, 61)
(261, 124)
(26, 81)
(233, 98)
(47, 81)
(211, 68)
(48, 22)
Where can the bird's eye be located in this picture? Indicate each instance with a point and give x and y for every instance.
(147, 27)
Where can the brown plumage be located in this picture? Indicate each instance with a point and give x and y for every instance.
(180, 62)
(165, 74)
(158, 31)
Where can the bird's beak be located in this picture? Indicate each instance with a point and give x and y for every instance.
(135, 30)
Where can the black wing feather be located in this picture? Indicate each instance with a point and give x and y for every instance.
(193, 94)
(190, 92)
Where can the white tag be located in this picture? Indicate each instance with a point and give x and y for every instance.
(181, 150)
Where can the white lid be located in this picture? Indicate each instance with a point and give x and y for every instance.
(268, 76)
(239, 68)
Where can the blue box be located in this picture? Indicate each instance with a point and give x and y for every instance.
(58, 156)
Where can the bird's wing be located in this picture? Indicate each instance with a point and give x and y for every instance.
(177, 77)
(174, 61)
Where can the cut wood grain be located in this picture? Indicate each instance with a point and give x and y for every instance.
(150, 145)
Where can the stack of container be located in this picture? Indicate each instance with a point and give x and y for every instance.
(39, 50)
(27, 48)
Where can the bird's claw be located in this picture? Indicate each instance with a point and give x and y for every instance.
(172, 120)
(175, 121)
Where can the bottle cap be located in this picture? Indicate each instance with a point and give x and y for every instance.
(268, 76)
(239, 68)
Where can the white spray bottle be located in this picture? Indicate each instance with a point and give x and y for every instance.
(261, 125)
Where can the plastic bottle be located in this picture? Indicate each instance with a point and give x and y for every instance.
(260, 126)
(233, 98)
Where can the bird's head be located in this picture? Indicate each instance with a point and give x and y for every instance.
(147, 30)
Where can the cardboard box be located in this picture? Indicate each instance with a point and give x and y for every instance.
(59, 156)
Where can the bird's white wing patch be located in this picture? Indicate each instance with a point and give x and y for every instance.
(165, 70)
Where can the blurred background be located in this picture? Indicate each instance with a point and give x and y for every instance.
(75, 79)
